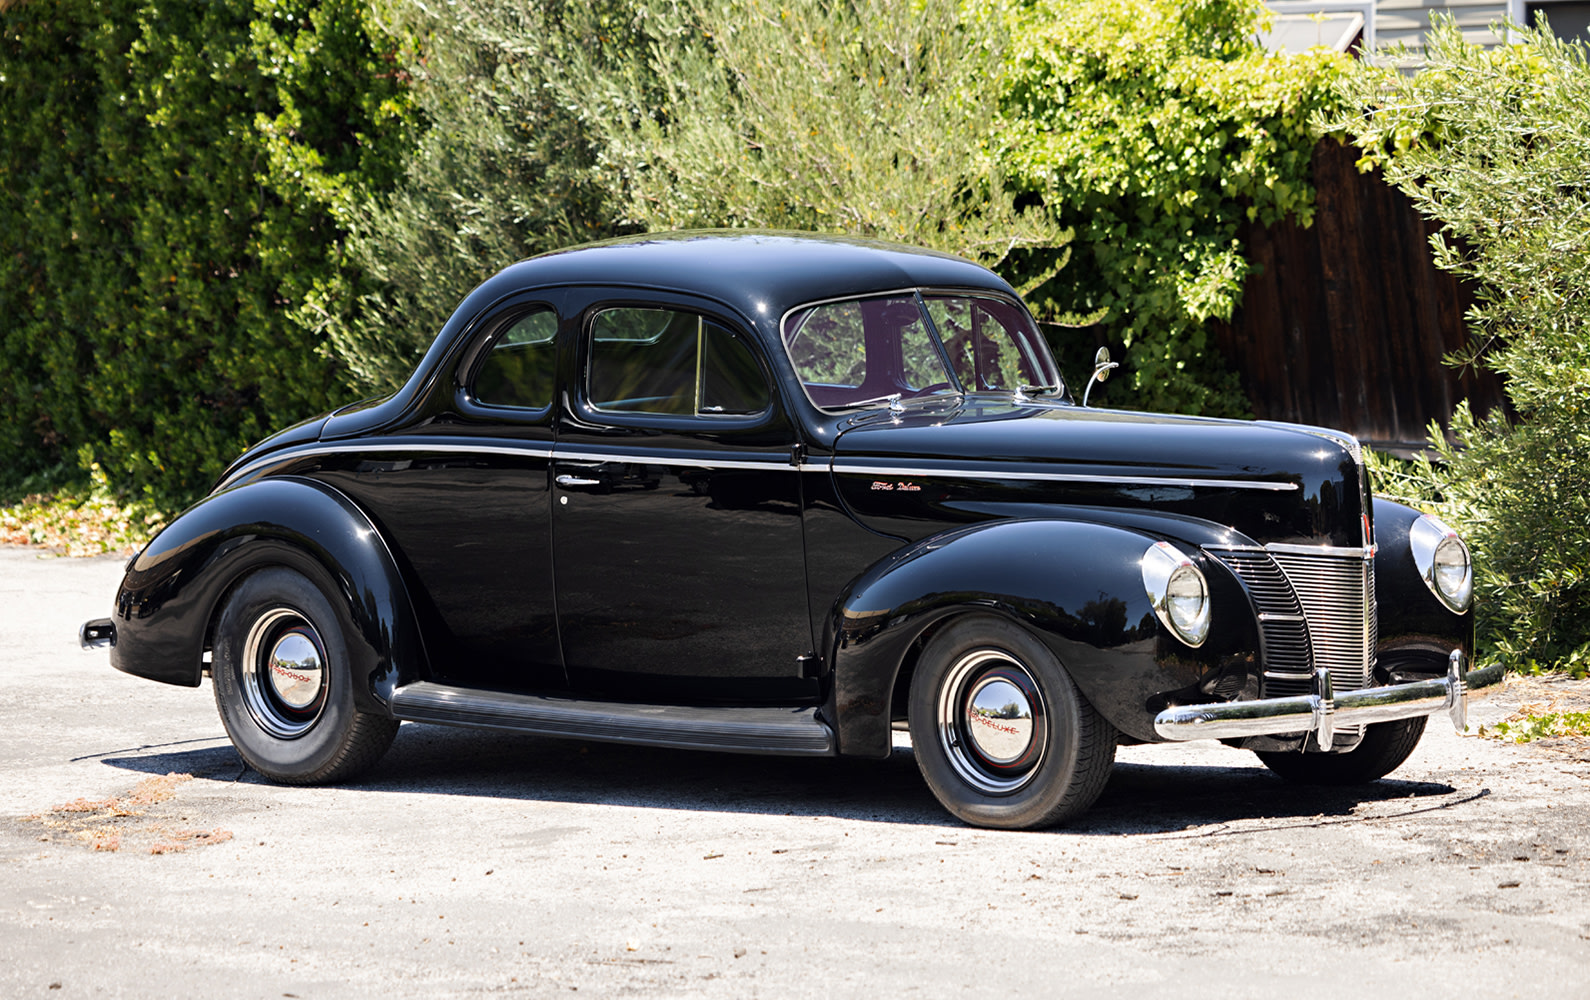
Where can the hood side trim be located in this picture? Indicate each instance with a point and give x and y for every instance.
(841, 468)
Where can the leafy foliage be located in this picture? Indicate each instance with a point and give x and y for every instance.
(1156, 128)
(868, 118)
(1151, 128)
(1495, 146)
(502, 171)
(174, 279)
(1528, 728)
(80, 521)
(168, 169)
(559, 123)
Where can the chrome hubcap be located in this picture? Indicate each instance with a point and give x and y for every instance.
(284, 673)
(295, 670)
(991, 721)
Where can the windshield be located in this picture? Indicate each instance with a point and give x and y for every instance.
(861, 351)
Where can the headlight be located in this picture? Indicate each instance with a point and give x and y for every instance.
(1443, 562)
(1178, 592)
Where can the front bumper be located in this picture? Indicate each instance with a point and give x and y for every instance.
(1321, 712)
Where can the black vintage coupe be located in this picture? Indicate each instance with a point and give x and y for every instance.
(787, 494)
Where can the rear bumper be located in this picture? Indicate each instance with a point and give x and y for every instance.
(1321, 712)
(97, 634)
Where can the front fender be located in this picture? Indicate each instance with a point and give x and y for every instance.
(1078, 586)
(174, 588)
(1417, 631)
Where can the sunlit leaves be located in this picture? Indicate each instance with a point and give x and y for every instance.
(1156, 128)
(1495, 147)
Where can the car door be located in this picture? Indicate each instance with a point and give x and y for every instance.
(677, 537)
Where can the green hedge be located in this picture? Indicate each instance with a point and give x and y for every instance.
(168, 172)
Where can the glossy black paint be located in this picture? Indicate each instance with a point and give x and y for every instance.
(471, 533)
(1417, 631)
(1273, 484)
(678, 539)
(791, 556)
(172, 593)
(682, 583)
(1077, 585)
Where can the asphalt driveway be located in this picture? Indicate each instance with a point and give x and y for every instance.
(140, 858)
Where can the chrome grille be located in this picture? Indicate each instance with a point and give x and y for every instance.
(1338, 597)
(1286, 645)
(1315, 610)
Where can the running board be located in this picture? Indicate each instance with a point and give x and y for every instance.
(787, 731)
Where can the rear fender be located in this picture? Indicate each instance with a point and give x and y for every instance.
(1078, 586)
(174, 589)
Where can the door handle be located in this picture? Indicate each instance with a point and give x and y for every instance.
(570, 481)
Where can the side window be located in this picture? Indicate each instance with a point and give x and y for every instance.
(666, 361)
(731, 381)
(517, 372)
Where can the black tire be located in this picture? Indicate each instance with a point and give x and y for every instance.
(1385, 746)
(292, 719)
(1001, 770)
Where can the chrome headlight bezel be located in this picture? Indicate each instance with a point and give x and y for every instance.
(1178, 592)
(1437, 549)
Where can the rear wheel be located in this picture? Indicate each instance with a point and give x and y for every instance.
(283, 685)
(1384, 747)
(1001, 734)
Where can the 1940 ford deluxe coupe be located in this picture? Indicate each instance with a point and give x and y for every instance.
(788, 494)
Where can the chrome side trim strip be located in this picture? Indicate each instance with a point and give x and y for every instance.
(783, 731)
(1061, 477)
(559, 455)
(1326, 711)
(367, 445)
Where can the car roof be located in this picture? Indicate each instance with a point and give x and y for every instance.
(761, 274)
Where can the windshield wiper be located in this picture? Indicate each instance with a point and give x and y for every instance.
(1036, 390)
(893, 399)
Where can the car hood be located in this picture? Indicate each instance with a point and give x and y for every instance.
(979, 457)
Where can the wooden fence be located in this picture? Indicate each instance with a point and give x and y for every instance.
(1348, 321)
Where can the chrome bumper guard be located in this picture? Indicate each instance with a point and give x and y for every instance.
(97, 634)
(1321, 712)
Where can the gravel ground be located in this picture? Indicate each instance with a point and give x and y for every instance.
(472, 864)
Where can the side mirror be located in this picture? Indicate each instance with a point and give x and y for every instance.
(1101, 371)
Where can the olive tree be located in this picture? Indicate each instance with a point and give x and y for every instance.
(1495, 146)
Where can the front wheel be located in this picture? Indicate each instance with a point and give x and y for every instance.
(1001, 734)
(283, 685)
(1383, 749)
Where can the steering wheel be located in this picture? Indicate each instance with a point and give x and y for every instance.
(935, 387)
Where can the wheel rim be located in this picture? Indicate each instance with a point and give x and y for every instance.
(992, 721)
(285, 674)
